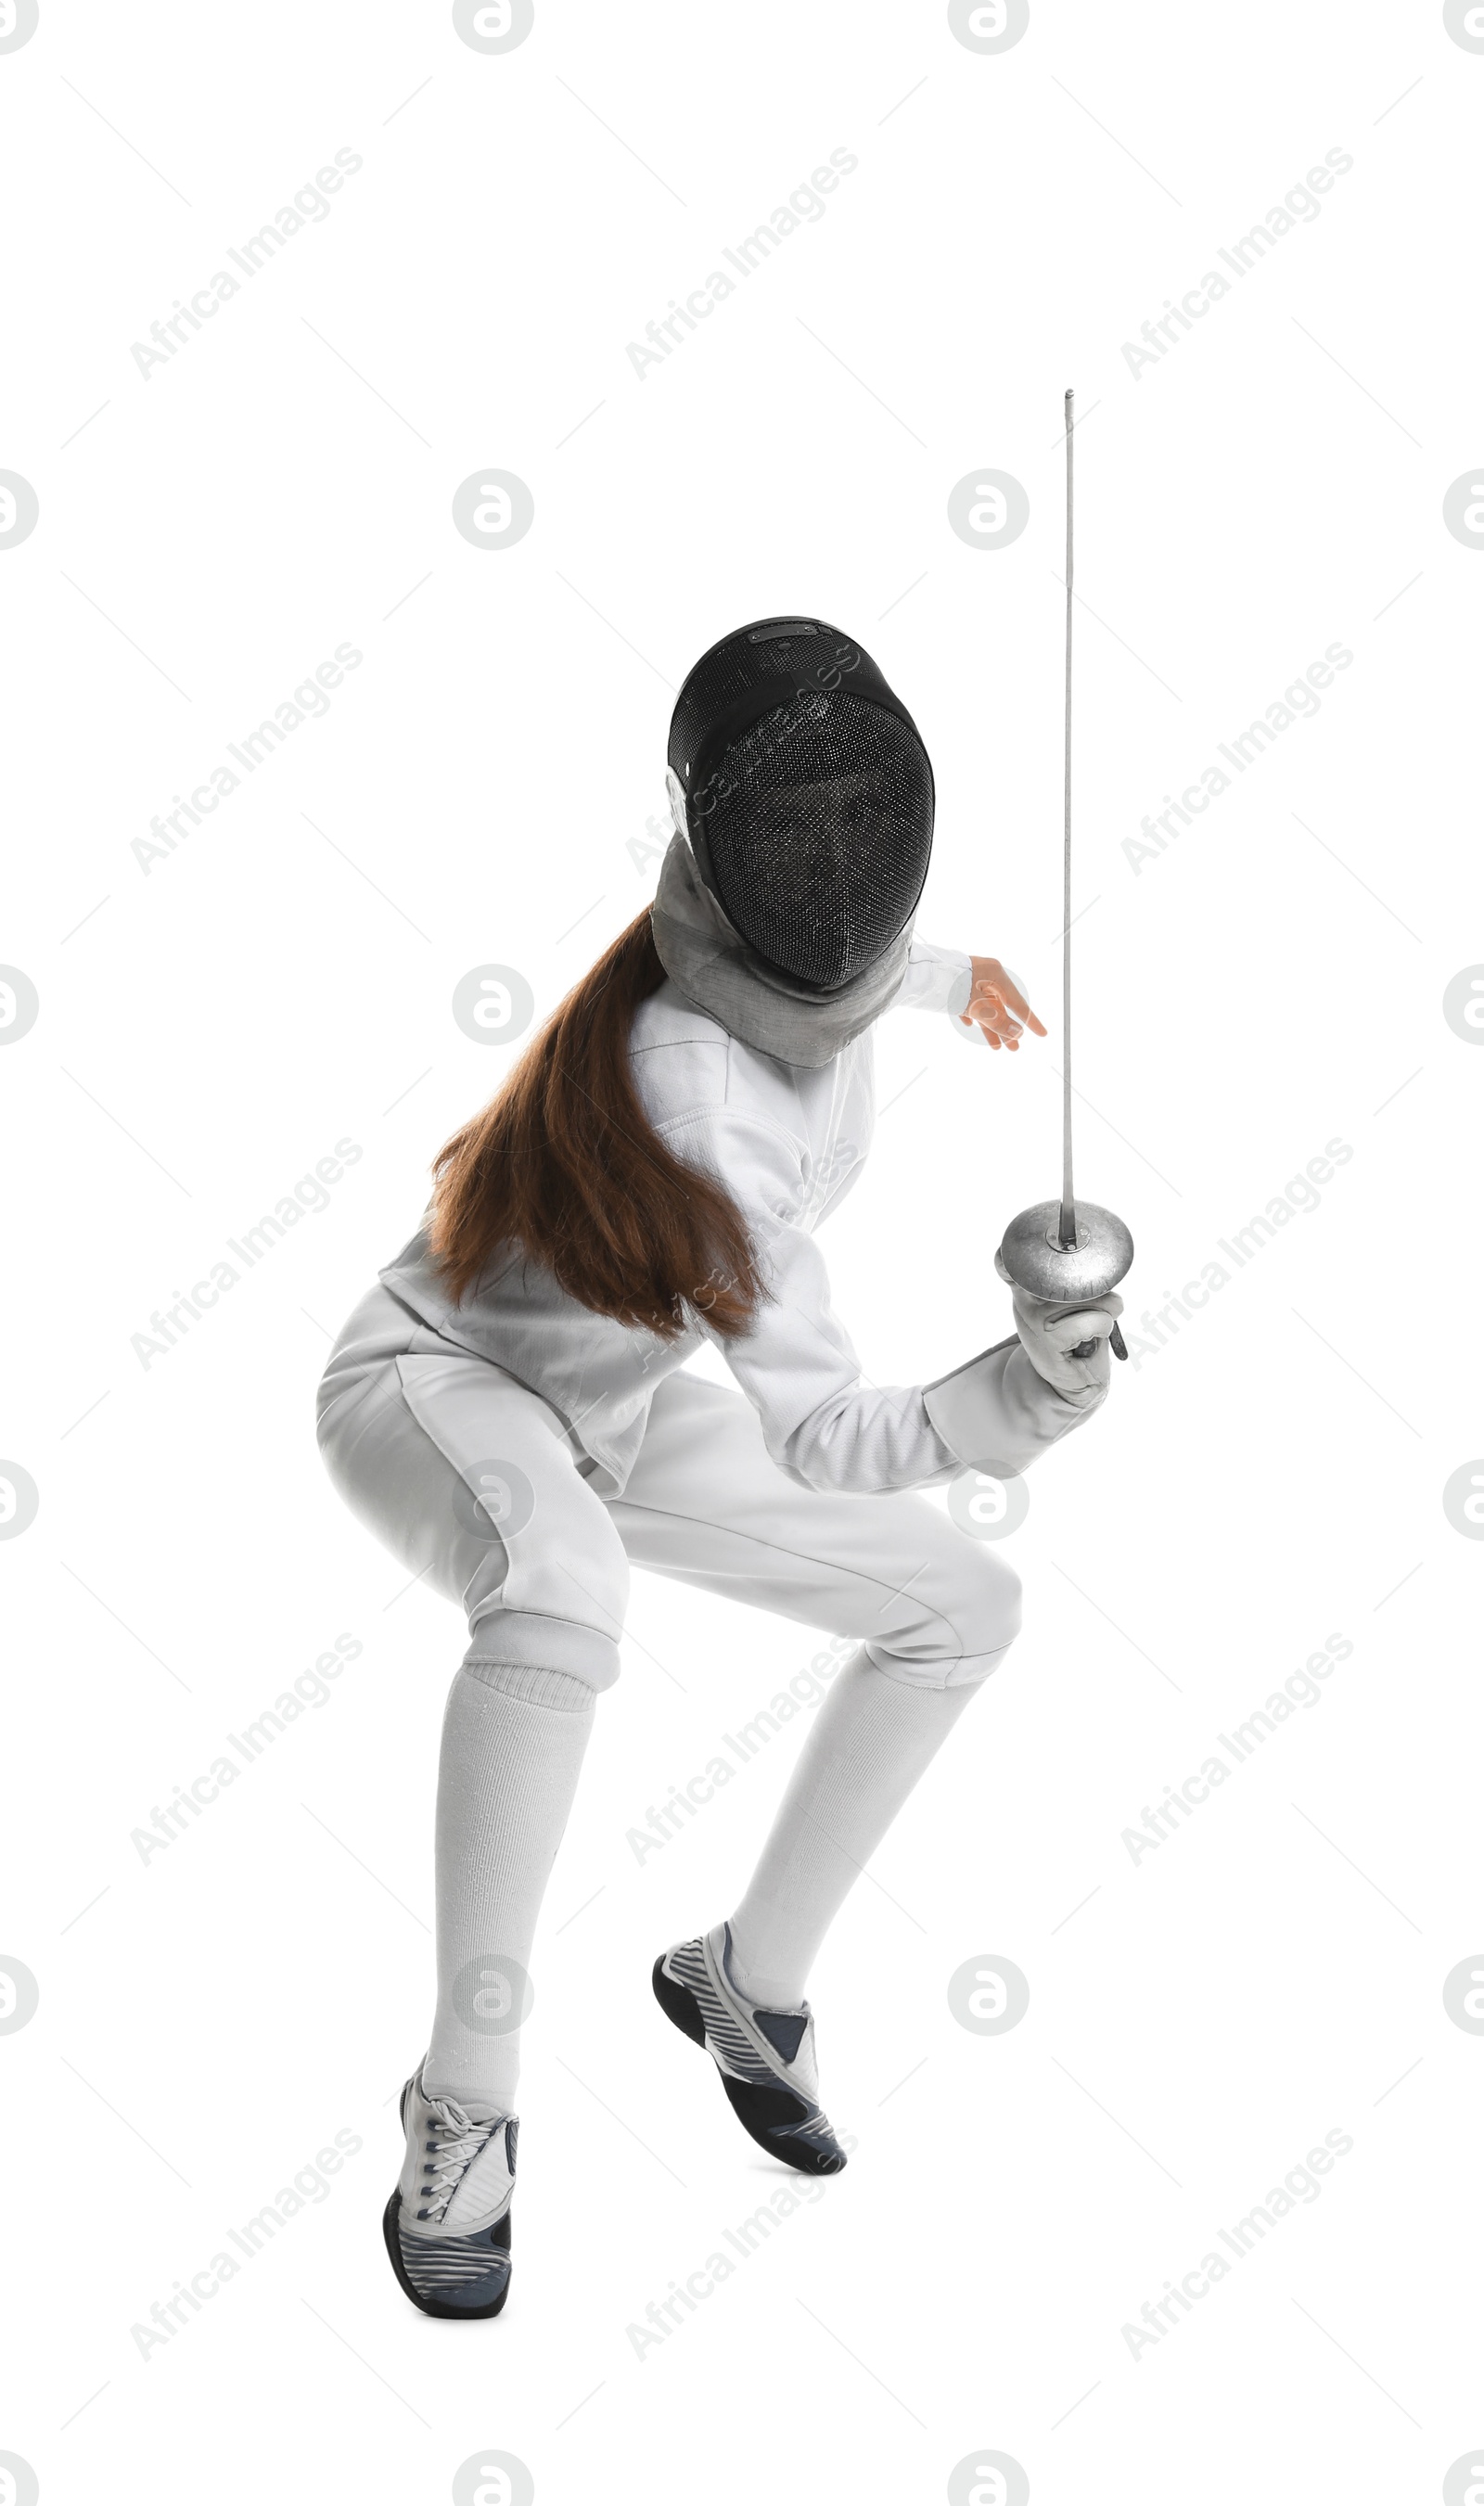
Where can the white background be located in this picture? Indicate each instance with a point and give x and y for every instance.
(208, 1029)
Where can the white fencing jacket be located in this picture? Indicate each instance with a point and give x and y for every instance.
(787, 1143)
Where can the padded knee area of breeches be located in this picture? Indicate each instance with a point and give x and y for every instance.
(975, 1620)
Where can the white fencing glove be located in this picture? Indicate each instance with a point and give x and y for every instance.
(1049, 1332)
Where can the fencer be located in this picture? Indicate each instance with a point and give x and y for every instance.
(508, 1408)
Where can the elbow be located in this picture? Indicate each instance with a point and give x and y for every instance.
(807, 1467)
(830, 1463)
(811, 1457)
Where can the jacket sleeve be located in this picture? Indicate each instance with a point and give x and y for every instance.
(824, 1424)
(931, 976)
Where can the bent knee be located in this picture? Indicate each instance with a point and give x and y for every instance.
(969, 1613)
(526, 1606)
(984, 1611)
(995, 1599)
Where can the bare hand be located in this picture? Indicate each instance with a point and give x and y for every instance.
(996, 1008)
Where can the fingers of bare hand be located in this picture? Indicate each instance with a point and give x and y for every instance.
(1007, 991)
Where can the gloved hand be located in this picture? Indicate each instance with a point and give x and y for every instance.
(1049, 1332)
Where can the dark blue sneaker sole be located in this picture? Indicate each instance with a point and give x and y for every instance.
(771, 2114)
(496, 2237)
(497, 2240)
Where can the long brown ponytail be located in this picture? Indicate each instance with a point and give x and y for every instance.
(564, 1162)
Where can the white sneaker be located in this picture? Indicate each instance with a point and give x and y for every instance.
(448, 2224)
(766, 2058)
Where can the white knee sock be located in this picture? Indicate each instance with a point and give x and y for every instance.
(513, 1743)
(873, 1738)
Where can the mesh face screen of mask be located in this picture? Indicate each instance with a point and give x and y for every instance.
(818, 835)
(810, 793)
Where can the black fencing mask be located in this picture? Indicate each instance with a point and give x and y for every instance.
(807, 797)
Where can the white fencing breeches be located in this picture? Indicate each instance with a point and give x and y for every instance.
(470, 1480)
(427, 1444)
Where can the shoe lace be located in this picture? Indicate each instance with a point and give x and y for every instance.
(455, 2143)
